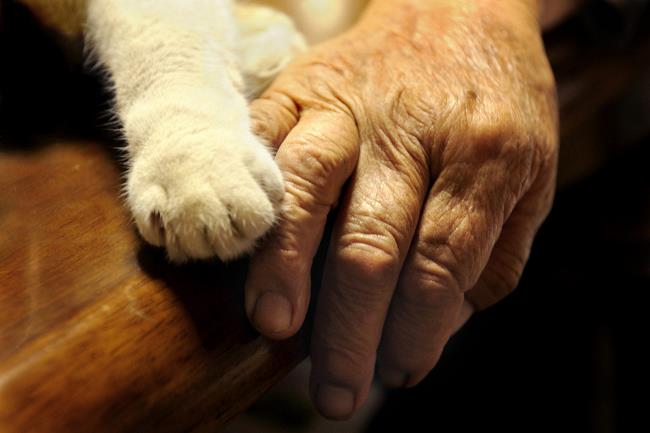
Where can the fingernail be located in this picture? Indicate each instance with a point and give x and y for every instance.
(334, 401)
(393, 378)
(272, 313)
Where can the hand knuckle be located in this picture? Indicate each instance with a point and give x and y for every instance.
(317, 161)
(368, 260)
(309, 194)
(432, 291)
(505, 271)
(434, 267)
(344, 358)
(375, 256)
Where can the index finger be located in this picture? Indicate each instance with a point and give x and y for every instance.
(316, 158)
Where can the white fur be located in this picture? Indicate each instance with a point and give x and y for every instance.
(200, 183)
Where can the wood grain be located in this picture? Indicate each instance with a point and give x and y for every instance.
(99, 333)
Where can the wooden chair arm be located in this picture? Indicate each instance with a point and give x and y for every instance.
(99, 333)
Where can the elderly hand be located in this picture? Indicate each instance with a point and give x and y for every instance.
(432, 126)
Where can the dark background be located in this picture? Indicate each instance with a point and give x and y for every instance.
(567, 350)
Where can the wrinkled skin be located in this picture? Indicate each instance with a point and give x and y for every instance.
(433, 131)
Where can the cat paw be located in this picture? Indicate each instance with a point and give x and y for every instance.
(268, 41)
(200, 201)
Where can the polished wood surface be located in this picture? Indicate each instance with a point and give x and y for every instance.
(98, 333)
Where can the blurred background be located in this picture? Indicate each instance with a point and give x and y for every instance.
(566, 351)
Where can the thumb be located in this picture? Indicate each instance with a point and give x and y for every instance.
(273, 115)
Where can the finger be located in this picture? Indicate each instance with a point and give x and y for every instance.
(273, 115)
(368, 246)
(508, 259)
(459, 226)
(316, 159)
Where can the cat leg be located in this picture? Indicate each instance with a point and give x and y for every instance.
(268, 40)
(199, 183)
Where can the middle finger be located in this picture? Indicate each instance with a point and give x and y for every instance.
(373, 231)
